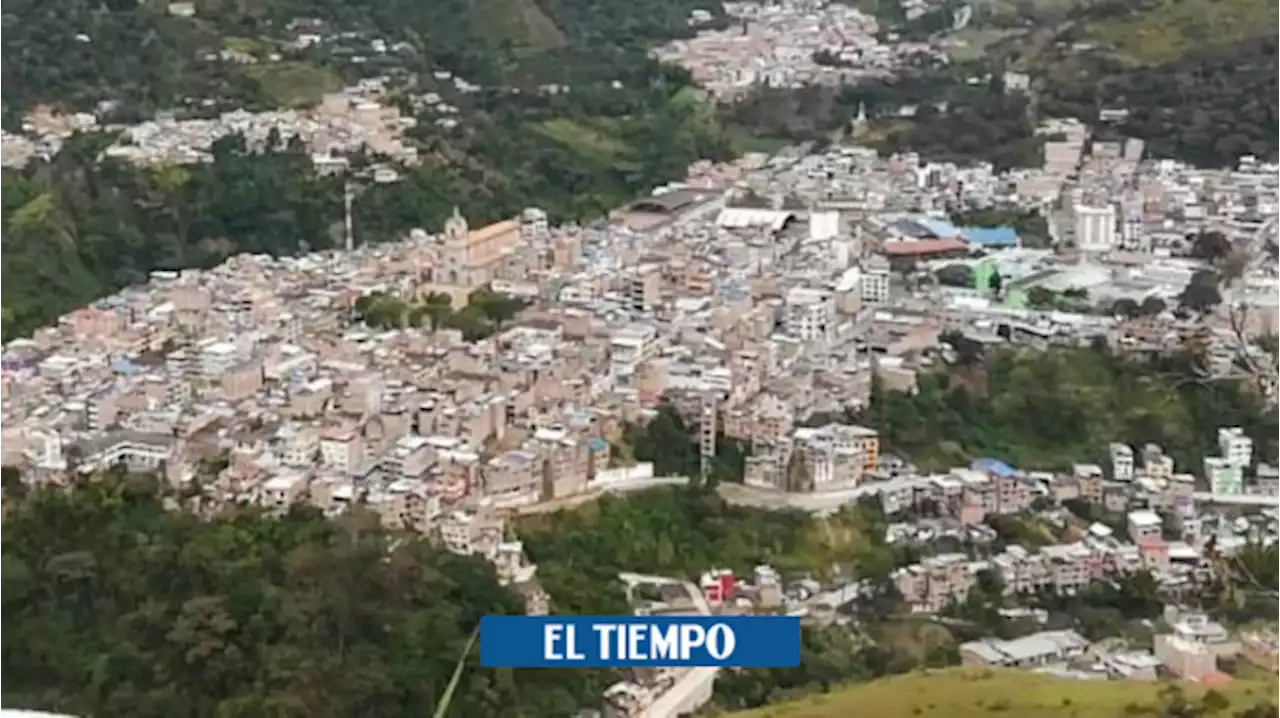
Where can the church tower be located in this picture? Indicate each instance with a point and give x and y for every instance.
(456, 230)
(457, 250)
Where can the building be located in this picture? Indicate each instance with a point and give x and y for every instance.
(1224, 477)
(1236, 447)
(1198, 629)
(1095, 228)
(1034, 651)
(1144, 526)
(474, 258)
(1121, 462)
(875, 280)
(809, 314)
(1184, 658)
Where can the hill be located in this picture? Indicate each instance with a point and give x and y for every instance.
(1049, 410)
(627, 126)
(1169, 29)
(972, 693)
(141, 57)
(115, 605)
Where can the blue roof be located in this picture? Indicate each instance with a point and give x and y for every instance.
(124, 366)
(992, 236)
(993, 466)
(938, 228)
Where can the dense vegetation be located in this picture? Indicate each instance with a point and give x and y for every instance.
(1209, 107)
(672, 445)
(1198, 77)
(73, 54)
(934, 111)
(1049, 410)
(76, 228)
(484, 313)
(682, 532)
(115, 605)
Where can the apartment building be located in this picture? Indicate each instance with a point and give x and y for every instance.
(1236, 448)
(1186, 659)
(469, 534)
(1122, 461)
(936, 582)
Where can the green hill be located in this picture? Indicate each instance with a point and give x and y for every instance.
(972, 693)
(1172, 28)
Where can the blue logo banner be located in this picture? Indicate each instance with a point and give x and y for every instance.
(623, 641)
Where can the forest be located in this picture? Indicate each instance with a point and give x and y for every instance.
(142, 57)
(681, 532)
(934, 111)
(1046, 410)
(116, 605)
(671, 444)
(1209, 107)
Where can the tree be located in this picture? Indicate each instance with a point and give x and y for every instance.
(1126, 308)
(955, 275)
(798, 479)
(1212, 246)
(1040, 298)
(115, 605)
(1151, 306)
(1201, 293)
(968, 351)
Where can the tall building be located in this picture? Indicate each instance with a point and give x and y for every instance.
(875, 280)
(1236, 447)
(809, 315)
(1095, 228)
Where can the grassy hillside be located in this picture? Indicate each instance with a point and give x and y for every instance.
(970, 693)
(1171, 28)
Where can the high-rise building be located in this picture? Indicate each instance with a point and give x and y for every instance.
(1095, 228)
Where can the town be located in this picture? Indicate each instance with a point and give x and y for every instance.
(452, 381)
(932, 350)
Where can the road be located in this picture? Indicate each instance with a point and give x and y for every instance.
(1208, 497)
(594, 492)
(692, 690)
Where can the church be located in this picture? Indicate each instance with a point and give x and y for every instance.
(472, 258)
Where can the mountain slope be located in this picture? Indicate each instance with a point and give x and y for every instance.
(972, 693)
(1170, 29)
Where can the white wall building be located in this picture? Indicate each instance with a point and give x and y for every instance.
(809, 314)
(875, 280)
(1121, 462)
(1236, 448)
(1095, 228)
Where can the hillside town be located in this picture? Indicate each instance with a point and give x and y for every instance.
(778, 45)
(752, 298)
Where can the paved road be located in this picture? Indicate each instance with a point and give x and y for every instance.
(1237, 499)
(693, 689)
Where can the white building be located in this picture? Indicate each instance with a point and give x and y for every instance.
(809, 314)
(217, 359)
(627, 348)
(875, 280)
(1235, 447)
(1095, 228)
(1122, 462)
